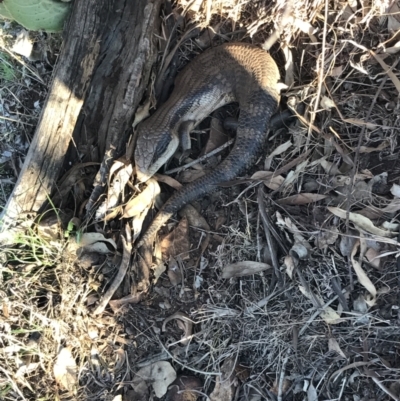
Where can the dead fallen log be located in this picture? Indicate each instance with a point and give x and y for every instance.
(101, 75)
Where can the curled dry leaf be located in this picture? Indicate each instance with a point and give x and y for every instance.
(65, 370)
(301, 199)
(184, 323)
(361, 275)
(244, 268)
(140, 202)
(184, 388)
(361, 221)
(159, 375)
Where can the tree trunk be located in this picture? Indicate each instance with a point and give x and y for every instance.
(101, 75)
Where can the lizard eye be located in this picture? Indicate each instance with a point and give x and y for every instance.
(161, 148)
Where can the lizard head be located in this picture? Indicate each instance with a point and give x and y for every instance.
(153, 149)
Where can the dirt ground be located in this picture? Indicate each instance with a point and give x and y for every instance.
(282, 285)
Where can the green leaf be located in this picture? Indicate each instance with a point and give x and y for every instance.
(4, 13)
(35, 15)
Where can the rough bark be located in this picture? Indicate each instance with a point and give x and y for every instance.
(101, 75)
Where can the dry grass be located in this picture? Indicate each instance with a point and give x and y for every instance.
(320, 330)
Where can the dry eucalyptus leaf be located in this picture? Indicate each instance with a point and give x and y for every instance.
(269, 178)
(176, 243)
(327, 103)
(185, 388)
(225, 386)
(217, 136)
(65, 370)
(166, 179)
(244, 268)
(312, 393)
(333, 345)
(361, 221)
(290, 266)
(194, 218)
(347, 244)
(393, 17)
(159, 375)
(361, 275)
(366, 149)
(140, 202)
(289, 65)
(278, 151)
(327, 237)
(395, 190)
(174, 272)
(373, 258)
(327, 314)
(301, 199)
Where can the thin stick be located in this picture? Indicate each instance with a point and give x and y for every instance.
(200, 159)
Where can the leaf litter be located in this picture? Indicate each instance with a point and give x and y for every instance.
(326, 328)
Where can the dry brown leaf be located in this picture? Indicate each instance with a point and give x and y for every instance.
(289, 65)
(290, 265)
(395, 190)
(301, 199)
(336, 71)
(366, 149)
(361, 123)
(278, 151)
(140, 202)
(327, 313)
(393, 17)
(65, 370)
(225, 384)
(333, 345)
(159, 375)
(361, 221)
(195, 219)
(361, 275)
(174, 272)
(372, 256)
(166, 179)
(217, 136)
(244, 268)
(185, 388)
(191, 175)
(269, 178)
(327, 237)
(176, 243)
(327, 103)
